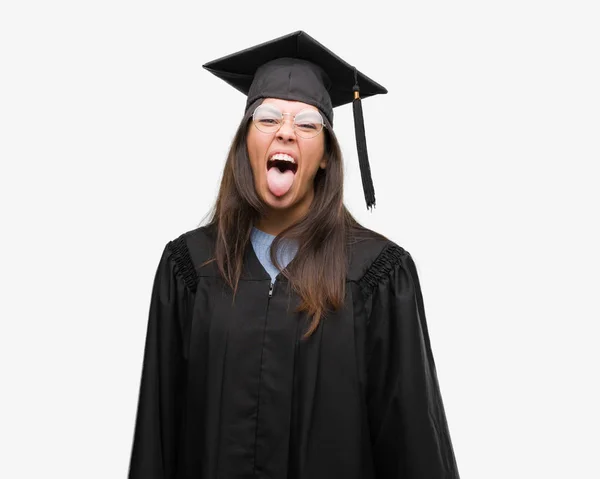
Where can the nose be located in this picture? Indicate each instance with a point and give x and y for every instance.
(286, 132)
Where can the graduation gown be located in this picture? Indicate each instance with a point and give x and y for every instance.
(229, 389)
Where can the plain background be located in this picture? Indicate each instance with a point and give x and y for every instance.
(485, 163)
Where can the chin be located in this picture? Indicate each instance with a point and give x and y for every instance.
(279, 202)
(290, 200)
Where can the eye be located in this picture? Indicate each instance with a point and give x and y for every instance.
(307, 126)
(268, 121)
(309, 120)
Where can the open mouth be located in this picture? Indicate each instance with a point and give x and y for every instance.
(281, 172)
(282, 165)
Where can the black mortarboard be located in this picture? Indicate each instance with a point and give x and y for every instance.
(297, 67)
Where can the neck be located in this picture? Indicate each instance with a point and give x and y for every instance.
(277, 220)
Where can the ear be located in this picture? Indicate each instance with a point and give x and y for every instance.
(323, 163)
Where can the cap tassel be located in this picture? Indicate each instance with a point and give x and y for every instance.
(361, 145)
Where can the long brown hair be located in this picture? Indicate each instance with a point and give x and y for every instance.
(318, 271)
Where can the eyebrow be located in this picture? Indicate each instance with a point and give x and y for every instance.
(306, 108)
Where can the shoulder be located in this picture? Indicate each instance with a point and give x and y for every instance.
(372, 258)
(191, 250)
(198, 241)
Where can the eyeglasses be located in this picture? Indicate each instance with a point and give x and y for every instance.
(307, 123)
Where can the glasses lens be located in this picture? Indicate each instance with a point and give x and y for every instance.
(267, 118)
(308, 123)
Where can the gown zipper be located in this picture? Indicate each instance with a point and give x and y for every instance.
(271, 287)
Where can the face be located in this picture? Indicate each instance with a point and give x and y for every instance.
(268, 150)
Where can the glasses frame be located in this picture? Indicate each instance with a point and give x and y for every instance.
(301, 135)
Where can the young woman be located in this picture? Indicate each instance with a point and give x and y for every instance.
(284, 339)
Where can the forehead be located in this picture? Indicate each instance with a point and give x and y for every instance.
(288, 106)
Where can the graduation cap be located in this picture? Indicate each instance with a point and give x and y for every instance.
(297, 67)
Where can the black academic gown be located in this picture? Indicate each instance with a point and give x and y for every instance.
(230, 390)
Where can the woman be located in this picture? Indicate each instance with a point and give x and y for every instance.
(284, 339)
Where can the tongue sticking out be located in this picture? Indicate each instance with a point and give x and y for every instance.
(279, 183)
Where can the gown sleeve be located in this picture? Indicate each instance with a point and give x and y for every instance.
(161, 394)
(407, 421)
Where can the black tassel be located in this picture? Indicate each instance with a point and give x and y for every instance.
(361, 145)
